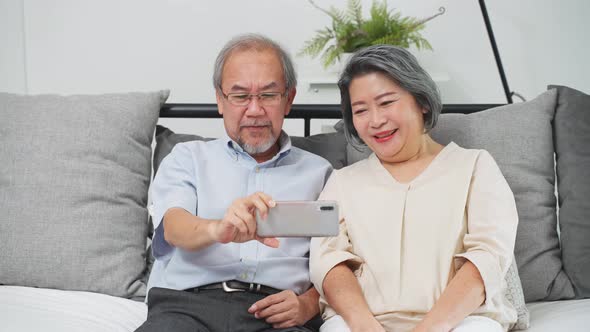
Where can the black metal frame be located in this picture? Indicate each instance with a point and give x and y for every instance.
(301, 111)
(486, 19)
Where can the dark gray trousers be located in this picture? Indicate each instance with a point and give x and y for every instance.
(205, 311)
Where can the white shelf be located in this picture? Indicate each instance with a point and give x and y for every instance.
(318, 84)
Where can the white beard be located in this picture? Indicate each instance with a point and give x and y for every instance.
(257, 149)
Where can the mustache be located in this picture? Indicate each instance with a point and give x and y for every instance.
(255, 123)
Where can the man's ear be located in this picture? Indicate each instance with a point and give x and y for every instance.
(290, 98)
(219, 99)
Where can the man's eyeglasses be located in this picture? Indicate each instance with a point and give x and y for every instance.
(264, 98)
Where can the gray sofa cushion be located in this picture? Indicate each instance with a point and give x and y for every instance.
(519, 137)
(166, 139)
(331, 146)
(572, 147)
(73, 190)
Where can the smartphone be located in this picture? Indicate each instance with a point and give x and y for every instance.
(299, 219)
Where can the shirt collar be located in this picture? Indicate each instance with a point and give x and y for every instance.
(236, 150)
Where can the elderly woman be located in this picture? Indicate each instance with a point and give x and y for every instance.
(426, 231)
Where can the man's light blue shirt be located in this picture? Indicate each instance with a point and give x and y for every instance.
(204, 178)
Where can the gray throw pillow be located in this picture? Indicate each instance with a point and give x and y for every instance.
(515, 295)
(331, 146)
(166, 139)
(572, 147)
(73, 190)
(520, 138)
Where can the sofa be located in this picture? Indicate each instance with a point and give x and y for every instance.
(74, 228)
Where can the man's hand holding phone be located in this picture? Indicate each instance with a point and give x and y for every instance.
(239, 222)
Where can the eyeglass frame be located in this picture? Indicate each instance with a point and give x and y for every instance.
(252, 95)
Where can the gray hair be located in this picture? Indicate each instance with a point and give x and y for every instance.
(400, 66)
(254, 42)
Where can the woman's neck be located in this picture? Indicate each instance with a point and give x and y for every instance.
(415, 162)
(426, 148)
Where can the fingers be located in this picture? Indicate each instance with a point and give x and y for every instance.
(262, 202)
(286, 324)
(278, 312)
(272, 242)
(282, 310)
(267, 302)
(241, 216)
(244, 209)
(246, 219)
(280, 317)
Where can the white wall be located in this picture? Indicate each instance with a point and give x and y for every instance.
(12, 52)
(73, 46)
(543, 42)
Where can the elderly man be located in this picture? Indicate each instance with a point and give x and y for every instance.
(212, 272)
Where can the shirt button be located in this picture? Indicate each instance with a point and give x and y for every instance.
(257, 169)
(244, 276)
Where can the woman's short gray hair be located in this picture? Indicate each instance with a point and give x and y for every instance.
(254, 42)
(400, 66)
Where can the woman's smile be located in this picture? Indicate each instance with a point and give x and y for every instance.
(385, 136)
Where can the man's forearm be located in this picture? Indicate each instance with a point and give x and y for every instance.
(186, 231)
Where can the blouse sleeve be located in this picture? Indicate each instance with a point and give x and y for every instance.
(327, 252)
(491, 225)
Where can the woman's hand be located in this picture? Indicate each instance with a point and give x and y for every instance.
(426, 327)
(366, 324)
(464, 294)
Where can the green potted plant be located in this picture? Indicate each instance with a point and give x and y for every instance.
(350, 31)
